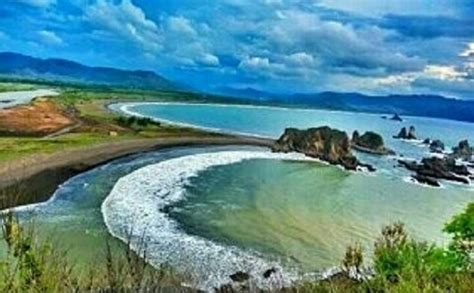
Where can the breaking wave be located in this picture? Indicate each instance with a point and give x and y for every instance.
(135, 211)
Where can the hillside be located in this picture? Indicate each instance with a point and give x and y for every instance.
(414, 105)
(22, 66)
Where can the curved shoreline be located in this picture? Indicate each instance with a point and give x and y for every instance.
(34, 179)
(272, 107)
(138, 203)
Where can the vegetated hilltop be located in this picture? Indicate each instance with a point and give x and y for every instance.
(22, 66)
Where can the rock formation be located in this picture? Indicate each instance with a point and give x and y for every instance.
(324, 143)
(404, 134)
(430, 169)
(396, 117)
(436, 146)
(463, 151)
(240, 277)
(370, 142)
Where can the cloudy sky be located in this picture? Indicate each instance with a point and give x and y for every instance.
(369, 46)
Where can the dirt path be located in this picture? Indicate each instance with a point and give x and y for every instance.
(35, 178)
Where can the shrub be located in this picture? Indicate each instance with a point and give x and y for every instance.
(136, 122)
(462, 229)
(34, 266)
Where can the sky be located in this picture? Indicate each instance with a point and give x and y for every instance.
(282, 46)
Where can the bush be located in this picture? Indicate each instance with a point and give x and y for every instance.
(405, 265)
(462, 229)
(136, 122)
(34, 266)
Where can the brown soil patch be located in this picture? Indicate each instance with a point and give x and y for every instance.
(39, 118)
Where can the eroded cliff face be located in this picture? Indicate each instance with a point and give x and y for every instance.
(324, 143)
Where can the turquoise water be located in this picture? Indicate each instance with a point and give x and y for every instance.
(249, 210)
(305, 214)
(271, 121)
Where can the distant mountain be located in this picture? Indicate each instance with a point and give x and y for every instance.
(413, 105)
(18, 65)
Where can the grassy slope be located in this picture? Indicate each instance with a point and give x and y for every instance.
(13, 87)
(89, 104)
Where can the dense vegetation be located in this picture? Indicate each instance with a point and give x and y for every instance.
(400, 264)
(32, 265)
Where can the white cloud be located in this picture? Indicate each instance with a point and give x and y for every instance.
(443, 72)
(125, 20)
(254, 63)
(209, 60)
(49, 37)
(396, 79)
(469, 51)
(301, 59)
(181, 25)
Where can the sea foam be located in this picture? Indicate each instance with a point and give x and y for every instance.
(133, 212)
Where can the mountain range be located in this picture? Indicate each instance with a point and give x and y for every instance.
(434, 106)
(22, 66)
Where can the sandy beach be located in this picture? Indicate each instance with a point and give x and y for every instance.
(34, 179)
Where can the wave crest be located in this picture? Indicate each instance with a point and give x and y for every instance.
(134, 209)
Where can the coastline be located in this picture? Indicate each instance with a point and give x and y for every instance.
(34, 179)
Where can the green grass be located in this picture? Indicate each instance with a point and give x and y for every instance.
(14, 86)
(16, 147)
(90, 105)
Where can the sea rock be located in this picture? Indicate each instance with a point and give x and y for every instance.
(324, 143)
(427, 141)
(396, 117)
(436, 146)
(404, 134)
(463, 151)
(370, 142)
(426, 180)
(441, 168)
(268, 273)
(240, 277)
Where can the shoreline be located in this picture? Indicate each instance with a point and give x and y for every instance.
(281, 107)
(34, 179)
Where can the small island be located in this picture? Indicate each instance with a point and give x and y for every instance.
(324, 143)
(430, 169)
(409, 134)
(370, 142)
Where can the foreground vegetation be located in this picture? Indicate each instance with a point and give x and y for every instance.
(400, 264)
(32, 265)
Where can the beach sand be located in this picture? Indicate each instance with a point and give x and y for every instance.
(35, 178)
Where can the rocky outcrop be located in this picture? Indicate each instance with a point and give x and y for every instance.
(406, 134)
(463, 151)
(240, 277)
(430, 169)
(437, 146)
(370, 142)
(324, 143)
(396, 117)
(426, 180)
